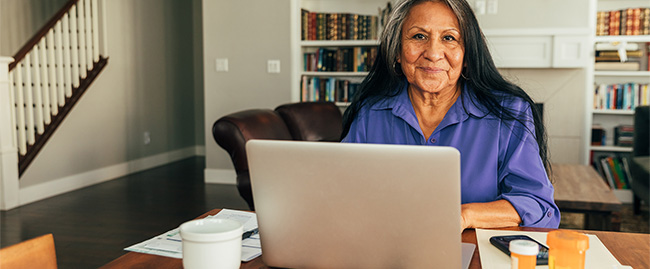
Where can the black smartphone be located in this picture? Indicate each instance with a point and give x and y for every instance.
(503, 244)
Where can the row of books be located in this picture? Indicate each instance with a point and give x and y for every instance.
(630, 21)
(626, 96)
(327, 89)
(338, 26)
(614, 170)
(623, 135)
(350, 59)
(636, 57)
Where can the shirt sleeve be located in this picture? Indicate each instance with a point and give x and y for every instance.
(522, 176)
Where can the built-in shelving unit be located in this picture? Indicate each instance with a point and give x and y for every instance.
(608, 119)
(303, 78)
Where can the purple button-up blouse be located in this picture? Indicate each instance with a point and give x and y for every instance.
(499, 159)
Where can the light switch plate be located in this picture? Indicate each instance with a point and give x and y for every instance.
(492, 6)
(479, 7)
(273, 66)
(222, 64)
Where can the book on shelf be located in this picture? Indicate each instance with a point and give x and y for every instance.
(327, 89)
(624, 96)
(613, 56)
(612, 47)
(634, 58)
(598, 135)
(614, 171)
(617, 66)
(338, 26)
(347, 59)
(624, 135)
(629, 21)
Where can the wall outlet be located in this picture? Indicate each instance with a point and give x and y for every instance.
(147, 138)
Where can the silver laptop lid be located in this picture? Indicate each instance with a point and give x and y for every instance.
(337, 205)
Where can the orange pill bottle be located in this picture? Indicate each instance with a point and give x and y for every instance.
(566, 249)
(523, 254)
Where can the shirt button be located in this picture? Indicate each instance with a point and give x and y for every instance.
(433, 140)
(549, 214)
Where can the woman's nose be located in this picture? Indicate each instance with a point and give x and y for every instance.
(434, 50)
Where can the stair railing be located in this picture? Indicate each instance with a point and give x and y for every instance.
(48, 75)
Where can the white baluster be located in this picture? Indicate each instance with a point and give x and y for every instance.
(102, 29)
(36, 89)
(95, 30)
(29, 100)
(45, 82)
(89, 36)
(81, 24)
(20, 108)
(74, 50)
(12, 97)
(54, 48)
(67, 61)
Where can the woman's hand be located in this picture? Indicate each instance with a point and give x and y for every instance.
(495, 214)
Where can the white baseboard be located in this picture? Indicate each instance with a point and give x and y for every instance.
(70, 183)
(220, 176)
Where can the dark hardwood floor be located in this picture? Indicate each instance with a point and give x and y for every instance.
(91, 226)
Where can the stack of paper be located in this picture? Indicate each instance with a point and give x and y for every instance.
(169, 244)
(597, 256)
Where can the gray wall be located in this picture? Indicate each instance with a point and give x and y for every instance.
(148, 85)
(21, 19)
(248, 33)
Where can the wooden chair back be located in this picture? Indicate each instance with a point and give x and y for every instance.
(34, 253)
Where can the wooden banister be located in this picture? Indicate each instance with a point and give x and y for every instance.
(41, 33)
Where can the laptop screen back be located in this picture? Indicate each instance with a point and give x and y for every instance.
(336, 205)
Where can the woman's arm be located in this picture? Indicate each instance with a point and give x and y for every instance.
(495, 214)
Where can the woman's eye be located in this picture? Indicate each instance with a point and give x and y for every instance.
(449, 38)
(419, 37)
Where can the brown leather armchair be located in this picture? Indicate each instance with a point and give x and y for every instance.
(310, 121)
(231, 133)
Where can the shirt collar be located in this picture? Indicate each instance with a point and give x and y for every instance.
(401, 106)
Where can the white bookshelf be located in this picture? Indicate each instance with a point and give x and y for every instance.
(608, 119)
(334, 74)
(613, 112)
(299, 47)
(338, 43)
(611, 149)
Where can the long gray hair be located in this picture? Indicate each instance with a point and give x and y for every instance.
(479, 74)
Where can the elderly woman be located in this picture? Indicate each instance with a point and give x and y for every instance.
(434, 83)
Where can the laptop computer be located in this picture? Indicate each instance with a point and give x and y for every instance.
(339, 205)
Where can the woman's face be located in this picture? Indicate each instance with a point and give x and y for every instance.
(432, 49)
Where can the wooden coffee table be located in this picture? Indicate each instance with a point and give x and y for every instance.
(580, 189)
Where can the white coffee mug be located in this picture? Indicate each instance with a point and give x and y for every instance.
(211, 243)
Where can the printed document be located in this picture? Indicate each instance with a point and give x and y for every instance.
(169, 244)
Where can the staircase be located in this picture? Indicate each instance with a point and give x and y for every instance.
(44, 81)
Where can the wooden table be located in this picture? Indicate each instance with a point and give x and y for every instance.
(579, 188)
(629, 248)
